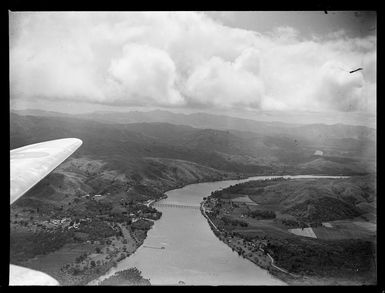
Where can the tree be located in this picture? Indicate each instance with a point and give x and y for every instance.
(97, 250)
(93, 263)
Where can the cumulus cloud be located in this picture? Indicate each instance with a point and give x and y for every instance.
(185, 59)
(338, 89)
(143, 72)
(221, 83)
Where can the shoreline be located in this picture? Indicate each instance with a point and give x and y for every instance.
(275, 271)
(234, 177)
(253, 250)
(106, 269)
(270, 268)
(93, 273)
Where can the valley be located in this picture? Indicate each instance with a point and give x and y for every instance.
(92, 211)
(205, 148)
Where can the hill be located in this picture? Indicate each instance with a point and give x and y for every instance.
(311, 200)
(304, 231)
(229, 150)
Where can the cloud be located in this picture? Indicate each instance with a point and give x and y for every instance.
(143, 72)
(186, 59)
(210, 85)
(285, 34)
(338, 89)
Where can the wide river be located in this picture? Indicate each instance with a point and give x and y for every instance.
(193, 254)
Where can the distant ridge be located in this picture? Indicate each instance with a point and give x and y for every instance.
(220, 142)
(197, 120)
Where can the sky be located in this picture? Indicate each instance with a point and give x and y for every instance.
(259, 65)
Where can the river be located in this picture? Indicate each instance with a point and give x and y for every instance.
(193, 254)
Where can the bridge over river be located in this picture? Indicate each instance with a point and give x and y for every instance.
(176, 205)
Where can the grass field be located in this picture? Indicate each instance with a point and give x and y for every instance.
(244, 199)
(305, 232)
(367, 225)
(345, 230)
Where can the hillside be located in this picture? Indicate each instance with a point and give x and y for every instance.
(219, 122)
(304, 231)
(311, 200)
(231, 151)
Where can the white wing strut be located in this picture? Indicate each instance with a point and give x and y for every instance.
(30, 164)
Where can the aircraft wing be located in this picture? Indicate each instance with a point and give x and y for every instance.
(30, 164)
(19, 276)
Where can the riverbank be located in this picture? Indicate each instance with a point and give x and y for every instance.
(85, 237)
(127, 277)
(259, 256)
(263, 260)
(340, 253)
(106, 269)
(183, 233)
(101, 238)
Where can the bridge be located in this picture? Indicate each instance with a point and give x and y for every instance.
(175, 205)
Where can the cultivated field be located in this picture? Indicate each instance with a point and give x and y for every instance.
(305, 232)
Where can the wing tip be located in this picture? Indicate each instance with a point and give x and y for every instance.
(78, 141)
(72, 139)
